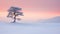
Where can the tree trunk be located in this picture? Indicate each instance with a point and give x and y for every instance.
(14, 18)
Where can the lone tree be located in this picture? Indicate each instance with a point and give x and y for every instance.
(14, 12)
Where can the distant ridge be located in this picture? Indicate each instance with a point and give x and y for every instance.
(52, 20)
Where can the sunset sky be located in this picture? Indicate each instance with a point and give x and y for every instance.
(32, 9)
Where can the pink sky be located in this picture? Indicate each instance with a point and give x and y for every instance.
(33, 9)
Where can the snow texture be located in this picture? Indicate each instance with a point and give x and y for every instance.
(27, 28)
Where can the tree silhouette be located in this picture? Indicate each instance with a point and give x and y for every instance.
(14, 12)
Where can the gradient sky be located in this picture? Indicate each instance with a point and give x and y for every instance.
(33, 9)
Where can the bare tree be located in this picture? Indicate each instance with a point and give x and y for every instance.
(14, 12)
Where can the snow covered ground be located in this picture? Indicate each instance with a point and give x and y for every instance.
(27, 28)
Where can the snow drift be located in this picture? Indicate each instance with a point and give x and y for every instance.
(26, 28)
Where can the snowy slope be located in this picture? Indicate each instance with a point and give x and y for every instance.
(26, 28)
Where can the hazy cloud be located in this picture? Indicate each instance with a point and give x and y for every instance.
(33, 5)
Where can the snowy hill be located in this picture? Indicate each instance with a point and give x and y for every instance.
(51, 20)
(26, 28)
